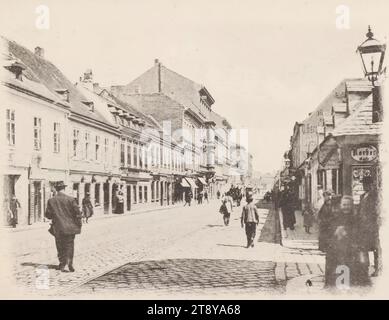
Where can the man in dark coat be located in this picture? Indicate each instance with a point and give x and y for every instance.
(325, 216)
(287, 209)
(368, 236)
(66, 223)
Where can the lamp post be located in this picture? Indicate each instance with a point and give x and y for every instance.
(372, 54)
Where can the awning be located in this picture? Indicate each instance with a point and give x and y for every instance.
(191, 182)
(185, 183)
(202, 180)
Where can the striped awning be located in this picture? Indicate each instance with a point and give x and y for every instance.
(185, 184)
(202, 180)
(191, 182)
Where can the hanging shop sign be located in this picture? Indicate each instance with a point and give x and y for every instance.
(364, 153)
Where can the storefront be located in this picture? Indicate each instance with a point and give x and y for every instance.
(360, 159)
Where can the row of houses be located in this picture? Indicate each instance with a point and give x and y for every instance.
(336, 145)
(150, 140)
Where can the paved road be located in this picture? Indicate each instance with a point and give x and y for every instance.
(179, 252)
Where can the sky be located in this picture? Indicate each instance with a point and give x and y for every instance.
(266, 63)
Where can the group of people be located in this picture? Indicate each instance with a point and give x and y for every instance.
(348, 233)
(201, 196)
(249, 218)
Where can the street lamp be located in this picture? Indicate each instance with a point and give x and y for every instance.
(372, 55)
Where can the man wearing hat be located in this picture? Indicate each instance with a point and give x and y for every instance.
(369, 214)
(250, 220)
(66, 223)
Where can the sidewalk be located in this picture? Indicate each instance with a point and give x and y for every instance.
(307, 245)
(147, 208)
(298, 238)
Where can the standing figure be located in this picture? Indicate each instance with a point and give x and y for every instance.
(227, 201)
(324, 218)
(206, 196)
(308, 217)
(370, 221)
(87, 207)
(200, 197)
(120, 202)
(287, 209)
(250, 220)
(218, 194)
(14, 206)
(65, 215)
(188, 197)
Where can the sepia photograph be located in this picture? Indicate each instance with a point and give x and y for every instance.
(193, 149)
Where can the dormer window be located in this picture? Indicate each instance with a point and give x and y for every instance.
(90, 105)
(16, 68)
(64, 93)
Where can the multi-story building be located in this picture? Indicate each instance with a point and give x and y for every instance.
(311, 132)
(188, 105)
(85, 139)
(149, 160)
(34, 124)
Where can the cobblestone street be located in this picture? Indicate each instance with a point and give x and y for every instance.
(183, 252)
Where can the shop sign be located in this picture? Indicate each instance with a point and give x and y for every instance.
(364, 153)
(357, 181)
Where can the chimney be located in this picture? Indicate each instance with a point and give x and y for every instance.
(158, 65)
(40, 52)
(87, 79)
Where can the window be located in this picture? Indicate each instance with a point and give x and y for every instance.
(114, 157)
(10, 127)
(129, 159)
(135, 154)
(145, 193)
(135, 197)
(106, 152)
(140, 194)
(37, 133)
(76, 141)
(87, 145)
(97, 194)
(97, 149)
(57, 137)
(122, 155)
(140, 153)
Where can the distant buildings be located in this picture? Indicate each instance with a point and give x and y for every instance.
(336, 145)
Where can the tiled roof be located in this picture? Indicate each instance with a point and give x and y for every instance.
(360, 121)
(40, 70)
(159, 106)
(358, 85)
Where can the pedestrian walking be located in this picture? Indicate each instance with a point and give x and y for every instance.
(14, 206)
(188, 197)
(370, 222)
(228, 203)
(200, 197)
(287, 208)
(206, 196)
(66, 216)
(308, 216)
(324, 217)
(250, 220)
(87, 208)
